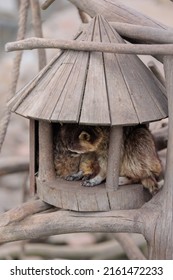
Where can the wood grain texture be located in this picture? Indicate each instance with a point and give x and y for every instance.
(114, 156)
(73, 196)
(95, 109)
(46, 165)
(113, 10)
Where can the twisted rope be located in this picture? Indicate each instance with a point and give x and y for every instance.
(23, 11)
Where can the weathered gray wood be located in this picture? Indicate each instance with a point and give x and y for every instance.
(143, 34)
(163, 233)
(45, 87)
(46, 4)
(114, 158)
(128, 198)
(59, 222)
(23, 93)
(33, 156)
(46, 165)
(95, 95)
(100, 90)
(48, 193)
(121, 107)
(13, 164)
(73, 196)
(23, 211)
(143, 49)
(74, 88)
(113, 10)
(142, 89)
(156, 71)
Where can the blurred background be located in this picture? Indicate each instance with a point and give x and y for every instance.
(60, 21)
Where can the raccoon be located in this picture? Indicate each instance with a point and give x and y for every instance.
(139, 160)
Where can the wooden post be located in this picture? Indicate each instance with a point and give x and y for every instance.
(46, 163)
(114, 156)
(32, 162)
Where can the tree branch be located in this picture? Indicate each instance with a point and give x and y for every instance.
(46, 4)
(59, 222)
(113, 10)
(21, 212)
(143, 34)
(129, 246)
(13, 164)
(35, 43)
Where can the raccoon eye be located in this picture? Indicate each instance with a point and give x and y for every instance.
(84, 136)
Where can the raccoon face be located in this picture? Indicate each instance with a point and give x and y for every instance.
(81, 139)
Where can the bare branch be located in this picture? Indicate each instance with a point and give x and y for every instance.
(129, 246)
(83, 16)
(153, 67)
(143, 33)
(45, 224)
(46, 4)
(21, 212)
(35, 43)
(114, 10)
(13, 164)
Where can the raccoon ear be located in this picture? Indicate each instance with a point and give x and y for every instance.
(84, 136)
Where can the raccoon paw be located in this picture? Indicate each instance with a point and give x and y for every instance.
(74, 177)
(88, 183)
(87, 177)
(152, 185)
(93, 182)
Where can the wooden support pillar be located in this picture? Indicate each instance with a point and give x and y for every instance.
(114, 156)
(46, 162)
(32, 163)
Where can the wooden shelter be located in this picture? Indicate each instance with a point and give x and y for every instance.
(91, 88)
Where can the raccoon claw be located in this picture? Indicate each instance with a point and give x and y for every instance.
(88, 183)
(153, 187)
(86, 177)
(74, 177)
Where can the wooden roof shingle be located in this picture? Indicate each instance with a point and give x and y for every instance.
(93, 88)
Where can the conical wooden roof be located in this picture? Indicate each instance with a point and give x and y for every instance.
(92, 87)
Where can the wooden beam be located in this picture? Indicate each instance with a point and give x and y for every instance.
(46, 4)
(10, 165)
(143, 49)
(143, 34)
(114, 155)
(114, 10)
(60, 222)
(46, 162)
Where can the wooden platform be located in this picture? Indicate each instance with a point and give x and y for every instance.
(73, 196)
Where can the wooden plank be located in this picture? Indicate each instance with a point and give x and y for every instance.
(128, 14)
(55, 91)
(95, 108)
(122, 110)
(156, 91)
(48, 192)
(87, 202)
(144, 104)
(124, 197)
(102, 200)
(74, 88)
(35, 102)
(69, 200)
(113, 10)
(15, 102)
(91, 199)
